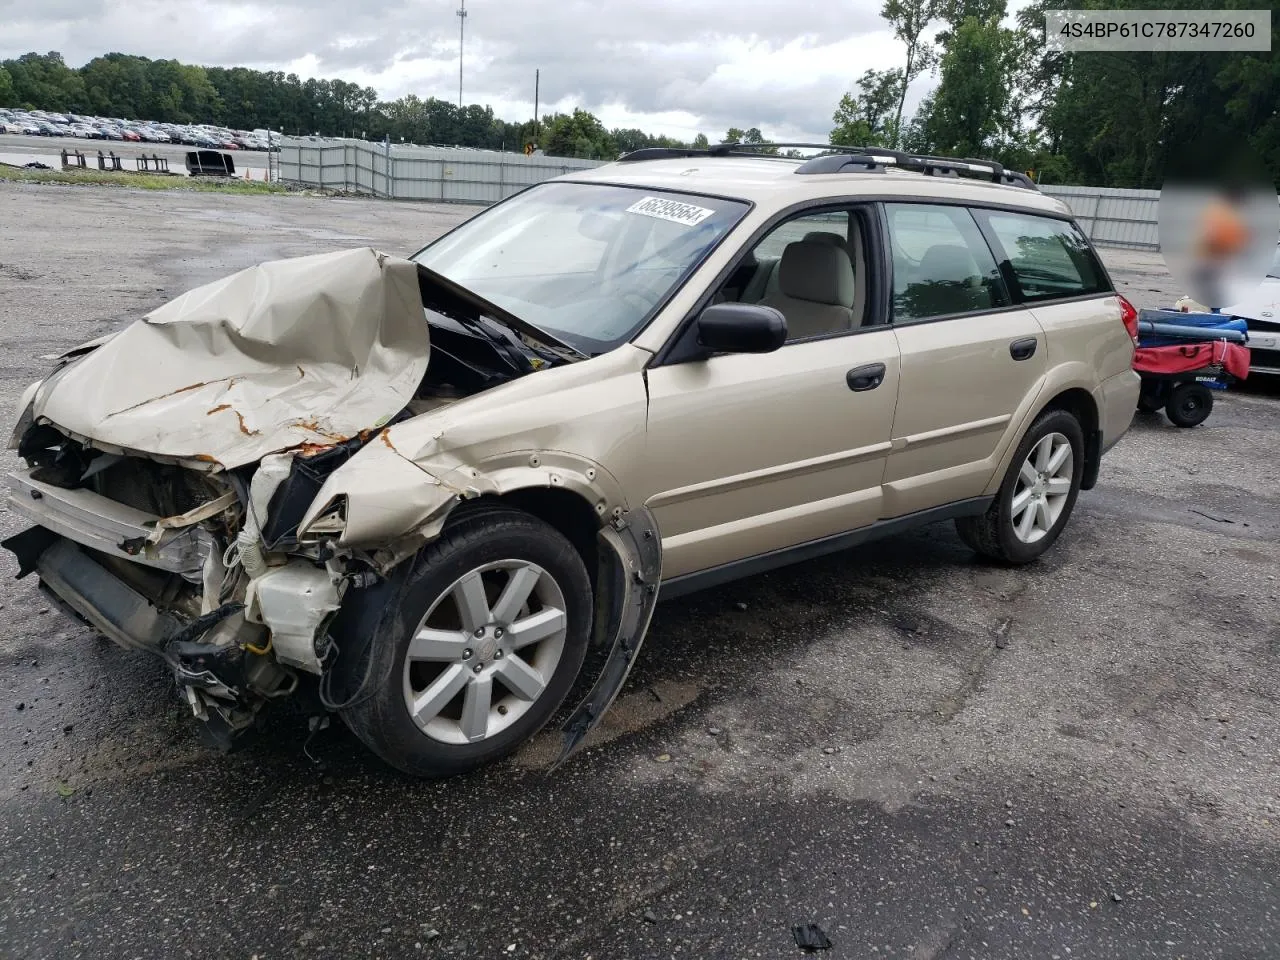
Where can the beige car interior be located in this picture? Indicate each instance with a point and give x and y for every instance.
(816, 284)
(815, 289)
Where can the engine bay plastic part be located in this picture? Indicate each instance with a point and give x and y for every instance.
(295, 601)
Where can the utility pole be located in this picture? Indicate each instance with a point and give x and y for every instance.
(537, 79)
(462, 27)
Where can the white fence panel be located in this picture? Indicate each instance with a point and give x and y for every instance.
(1109, 216)
(1113, 217)
(418, 173)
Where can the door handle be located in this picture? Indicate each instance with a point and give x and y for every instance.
(1023, 349)
(865, 378)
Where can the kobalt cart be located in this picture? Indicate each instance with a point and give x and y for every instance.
(1183, 357)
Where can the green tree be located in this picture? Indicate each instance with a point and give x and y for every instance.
(579, 134)
(970, 108)
(850, 129)
(869, 118)
(628, 140)
(753, 137)
(910, 20)
(700, 142)
(7, 96)
(734, 135)
(45, 82)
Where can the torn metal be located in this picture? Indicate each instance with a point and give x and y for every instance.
(633, 541)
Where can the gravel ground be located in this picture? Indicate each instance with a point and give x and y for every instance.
(927, 756)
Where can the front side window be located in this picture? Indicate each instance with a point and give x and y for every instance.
(1049, 258)
(588, 263)
(809, 268)
(941, 263)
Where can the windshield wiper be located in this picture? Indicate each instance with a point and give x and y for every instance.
(450, 297)
(522, 356)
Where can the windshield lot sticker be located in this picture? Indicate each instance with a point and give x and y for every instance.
(672, 210)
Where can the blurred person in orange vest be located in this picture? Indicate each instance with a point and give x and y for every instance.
(1223, 235)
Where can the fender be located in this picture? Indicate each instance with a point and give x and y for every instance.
(632, 539)
(1066, 376)
(521, 469)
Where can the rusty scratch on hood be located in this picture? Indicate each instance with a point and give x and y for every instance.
(311, 449)
(313, 426)
(165, 396)
(243, 428)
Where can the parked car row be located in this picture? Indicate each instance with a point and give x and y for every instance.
(38, 123)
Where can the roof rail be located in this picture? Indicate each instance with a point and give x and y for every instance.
(837, 158)
(874, 158)
(728, 149)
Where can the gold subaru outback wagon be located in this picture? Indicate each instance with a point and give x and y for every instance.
(423, 492)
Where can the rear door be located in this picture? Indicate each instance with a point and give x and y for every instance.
(971, 359)
(1058, 276)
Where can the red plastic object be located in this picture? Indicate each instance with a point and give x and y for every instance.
(1183, 358)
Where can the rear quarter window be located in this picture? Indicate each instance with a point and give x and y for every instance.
(1050, 259)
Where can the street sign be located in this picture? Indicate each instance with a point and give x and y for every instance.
(528, 149)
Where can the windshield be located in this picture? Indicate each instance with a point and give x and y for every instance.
(587, 263)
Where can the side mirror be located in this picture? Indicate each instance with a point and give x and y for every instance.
(741, 328)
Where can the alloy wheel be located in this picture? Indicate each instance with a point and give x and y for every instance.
(1043, 487)
(485, 651)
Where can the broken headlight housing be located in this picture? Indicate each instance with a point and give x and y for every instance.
(328, 523)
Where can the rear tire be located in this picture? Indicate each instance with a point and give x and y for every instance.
(1037, 496)
(1189, 404)
(459, 678)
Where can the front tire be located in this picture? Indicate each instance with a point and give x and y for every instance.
(1037, 496)
(486, 644)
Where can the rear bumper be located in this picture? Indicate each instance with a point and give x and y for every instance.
(1117, 399)
(94, 521)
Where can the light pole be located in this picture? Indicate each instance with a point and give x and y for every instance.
(462, 26)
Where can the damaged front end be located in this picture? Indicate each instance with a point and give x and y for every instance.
(207, 571)
(179, 476)
(175, 562)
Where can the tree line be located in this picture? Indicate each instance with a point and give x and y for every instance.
(126, 86)
(1101, 119)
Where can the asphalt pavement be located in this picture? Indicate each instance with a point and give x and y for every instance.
(927, 756)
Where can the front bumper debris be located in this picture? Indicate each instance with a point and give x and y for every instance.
(116, 529)
(100, 598)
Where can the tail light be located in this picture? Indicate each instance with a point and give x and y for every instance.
(1129, 316)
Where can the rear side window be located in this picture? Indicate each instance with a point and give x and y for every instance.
(941, 263)
(1049, 258)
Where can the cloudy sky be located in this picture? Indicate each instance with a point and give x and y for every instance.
(668, 66)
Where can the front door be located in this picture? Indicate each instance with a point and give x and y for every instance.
(753, 453)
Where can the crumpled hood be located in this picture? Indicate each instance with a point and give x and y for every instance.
(310, 350)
